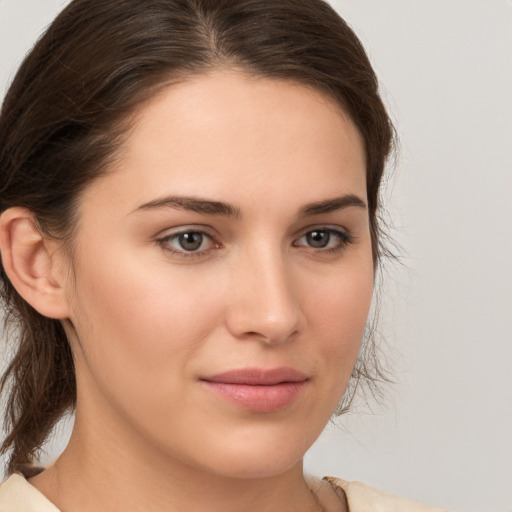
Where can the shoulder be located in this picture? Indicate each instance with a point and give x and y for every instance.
(363, 498)
(17, 495)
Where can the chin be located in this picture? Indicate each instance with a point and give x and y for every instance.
(263, 457)
(258, 466)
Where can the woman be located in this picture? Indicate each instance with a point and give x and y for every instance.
(189, 240)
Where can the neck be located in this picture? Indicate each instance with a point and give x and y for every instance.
(98, 472)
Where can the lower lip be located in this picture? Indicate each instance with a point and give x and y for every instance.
(258, 398)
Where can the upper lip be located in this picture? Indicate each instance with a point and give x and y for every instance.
(258, 376)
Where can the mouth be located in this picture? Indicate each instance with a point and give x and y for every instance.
(256, 389)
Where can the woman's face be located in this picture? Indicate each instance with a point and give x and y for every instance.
(222, 276)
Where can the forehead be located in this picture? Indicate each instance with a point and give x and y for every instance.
(229, 135)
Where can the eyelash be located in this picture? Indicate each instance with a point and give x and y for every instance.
(345, 239)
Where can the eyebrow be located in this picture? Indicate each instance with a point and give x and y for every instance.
(330, 205)
(209, 207)
(194, 204)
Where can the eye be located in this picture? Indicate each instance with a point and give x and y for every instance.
(318, 239)
(191, 241)
(327, 239)
(187, 243)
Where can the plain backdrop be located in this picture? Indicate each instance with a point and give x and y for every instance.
(444, 432)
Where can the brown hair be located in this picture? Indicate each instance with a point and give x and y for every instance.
(61, 122)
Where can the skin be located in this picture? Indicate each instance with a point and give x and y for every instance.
(146, 322)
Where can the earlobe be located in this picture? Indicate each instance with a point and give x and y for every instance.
(29, 262)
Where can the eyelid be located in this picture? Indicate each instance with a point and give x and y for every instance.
(185, 228)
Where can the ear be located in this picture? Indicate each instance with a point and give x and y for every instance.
(31, 263)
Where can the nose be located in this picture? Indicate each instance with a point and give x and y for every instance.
(265, 302)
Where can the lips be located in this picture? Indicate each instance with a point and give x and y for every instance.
(258, 390)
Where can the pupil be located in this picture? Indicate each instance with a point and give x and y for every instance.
(191, 241)
(318, 239)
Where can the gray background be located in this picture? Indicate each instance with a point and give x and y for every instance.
(444, 433)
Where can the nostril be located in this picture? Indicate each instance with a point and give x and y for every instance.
(271, 338)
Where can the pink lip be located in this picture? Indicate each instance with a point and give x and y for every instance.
(258, 389)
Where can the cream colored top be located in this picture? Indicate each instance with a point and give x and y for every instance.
(18, 495)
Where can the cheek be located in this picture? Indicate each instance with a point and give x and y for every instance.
(140, 322)
(340, 306)
(338, 314)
